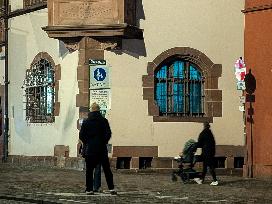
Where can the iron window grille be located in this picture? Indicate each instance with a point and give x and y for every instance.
(40, 92)
(179, 89)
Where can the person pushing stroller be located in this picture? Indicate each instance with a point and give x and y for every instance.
(206, 141)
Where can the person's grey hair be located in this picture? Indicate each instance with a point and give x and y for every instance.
(94, 107)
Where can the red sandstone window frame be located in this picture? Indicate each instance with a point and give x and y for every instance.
(38, 90)
(211, 73)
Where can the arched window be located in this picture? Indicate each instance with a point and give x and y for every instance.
(181, 85)
(40, 92)
(179, 89)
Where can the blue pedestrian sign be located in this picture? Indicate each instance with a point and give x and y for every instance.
(99, 74)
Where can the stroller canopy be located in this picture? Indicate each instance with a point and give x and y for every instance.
(189, 150)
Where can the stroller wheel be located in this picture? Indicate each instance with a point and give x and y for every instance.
(185, 178)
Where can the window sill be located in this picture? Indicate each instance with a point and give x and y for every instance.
(182, 119)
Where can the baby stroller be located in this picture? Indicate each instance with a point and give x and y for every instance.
(186, 163)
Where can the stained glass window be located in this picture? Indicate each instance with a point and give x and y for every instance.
(179, 89)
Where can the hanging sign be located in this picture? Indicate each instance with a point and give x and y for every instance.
(240, 73)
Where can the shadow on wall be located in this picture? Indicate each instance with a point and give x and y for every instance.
(250, 83)
(140, 12)
(63, 51)
(134, 47)
(69, 118)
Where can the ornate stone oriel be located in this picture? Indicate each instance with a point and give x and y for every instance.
(101, 19)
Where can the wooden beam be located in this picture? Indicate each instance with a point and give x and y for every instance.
(30, 9)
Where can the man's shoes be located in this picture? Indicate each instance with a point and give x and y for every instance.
(214, 183)
(89, 192)
(198, 180)
(113, 192)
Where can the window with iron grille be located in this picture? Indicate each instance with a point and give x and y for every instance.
(179, 89)
(40, 92)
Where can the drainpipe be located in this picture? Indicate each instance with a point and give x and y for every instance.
(6, 119)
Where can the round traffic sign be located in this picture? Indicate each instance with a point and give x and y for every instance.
(100, 74)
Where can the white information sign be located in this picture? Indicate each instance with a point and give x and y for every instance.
(101, 97)
(241, 85)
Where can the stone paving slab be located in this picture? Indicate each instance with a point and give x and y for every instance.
(52, 185)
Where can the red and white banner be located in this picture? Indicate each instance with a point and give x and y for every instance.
(240, 69)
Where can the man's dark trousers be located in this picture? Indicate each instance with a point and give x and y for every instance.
(91, 162)
(208, 162)
(97, 178)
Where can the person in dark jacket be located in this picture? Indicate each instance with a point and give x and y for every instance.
(95, 133)
(206, 141)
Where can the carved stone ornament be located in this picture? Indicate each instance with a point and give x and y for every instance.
(111, 45)
(71, 46)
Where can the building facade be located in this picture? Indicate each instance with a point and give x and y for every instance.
(258, 43)
(169, 66)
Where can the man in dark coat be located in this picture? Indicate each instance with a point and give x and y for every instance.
(207, 143)
(95, 133)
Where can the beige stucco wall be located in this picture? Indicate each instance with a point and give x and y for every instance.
(27, 39)
(212, 27)
(16, 4)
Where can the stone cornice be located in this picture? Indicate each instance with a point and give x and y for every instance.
(98, 30)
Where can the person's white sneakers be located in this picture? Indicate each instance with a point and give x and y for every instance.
(113, 192)
(89, 192)
(214, 183)
(198, 180)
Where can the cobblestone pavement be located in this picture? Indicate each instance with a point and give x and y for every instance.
(50, 185)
